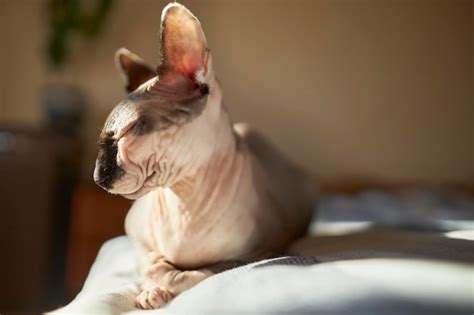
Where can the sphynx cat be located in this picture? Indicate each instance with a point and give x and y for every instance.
(208, 192)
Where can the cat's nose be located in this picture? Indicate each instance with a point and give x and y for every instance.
(106, 171)
(101, 177)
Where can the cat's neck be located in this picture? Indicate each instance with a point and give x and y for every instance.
(214, 182)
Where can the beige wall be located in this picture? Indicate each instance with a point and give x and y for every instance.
(347, 88)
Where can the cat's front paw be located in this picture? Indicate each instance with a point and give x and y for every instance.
(153, 298)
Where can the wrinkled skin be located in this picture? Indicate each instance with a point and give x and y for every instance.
(208, 193)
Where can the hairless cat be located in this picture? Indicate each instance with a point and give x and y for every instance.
(208, 192)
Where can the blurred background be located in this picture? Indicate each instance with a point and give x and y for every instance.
(361, 93)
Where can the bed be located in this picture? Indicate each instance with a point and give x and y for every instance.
(374, 252)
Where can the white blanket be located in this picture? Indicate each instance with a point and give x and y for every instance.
(379, 272)
(302, 284)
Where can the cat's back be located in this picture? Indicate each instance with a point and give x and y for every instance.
(287, 188)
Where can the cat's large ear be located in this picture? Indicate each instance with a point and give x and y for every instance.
(184, 52)
(133, 68)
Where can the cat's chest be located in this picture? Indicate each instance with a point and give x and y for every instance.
(192, 238)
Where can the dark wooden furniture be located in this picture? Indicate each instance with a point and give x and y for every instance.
(96, 217)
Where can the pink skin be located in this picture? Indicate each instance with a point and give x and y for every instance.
(207, 191)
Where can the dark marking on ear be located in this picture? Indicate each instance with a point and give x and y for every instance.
(204, 89)
(107, 170)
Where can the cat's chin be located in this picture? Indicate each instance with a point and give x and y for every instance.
(142, 191)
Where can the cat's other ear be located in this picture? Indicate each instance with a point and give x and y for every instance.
(184, 51)
(133, 68)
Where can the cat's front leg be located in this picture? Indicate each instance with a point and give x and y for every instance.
(162, 281)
